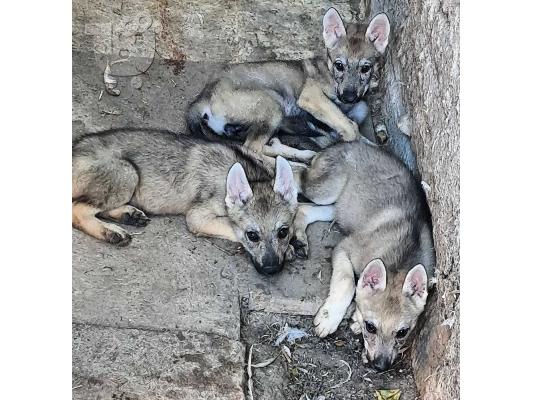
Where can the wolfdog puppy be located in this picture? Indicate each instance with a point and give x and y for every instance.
(252, 101)
(223, 191)
(384, 217)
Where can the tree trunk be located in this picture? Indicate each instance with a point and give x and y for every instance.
(422, 79)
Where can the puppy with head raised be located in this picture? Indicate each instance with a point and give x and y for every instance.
(382, 212)
(387, 311)
(224, 191)
(252, 101)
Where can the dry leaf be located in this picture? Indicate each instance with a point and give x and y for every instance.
(388, 394)
(110, 82)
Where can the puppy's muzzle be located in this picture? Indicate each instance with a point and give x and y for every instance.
(270, 265)
(348, 96)
(381, 363)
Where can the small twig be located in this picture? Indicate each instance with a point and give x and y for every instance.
(113, 112)
(220, 248)
(249, 371)
(266, 362)
(328, 231)
(348, 376)
(286, 353)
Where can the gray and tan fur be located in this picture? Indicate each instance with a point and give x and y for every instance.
(382, 211)
(253, 101)
(224, 191)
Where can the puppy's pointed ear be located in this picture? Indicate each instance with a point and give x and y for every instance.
(415, 285)
(373, 277)
(284, 184)
(378, 32)
(333, 28)
(238, 191)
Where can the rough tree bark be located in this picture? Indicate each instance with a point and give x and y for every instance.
(422, 81)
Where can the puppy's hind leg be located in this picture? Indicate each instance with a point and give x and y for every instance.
(308, 214)
(342, 288)
(84, 218)
(324, 180)
(257, 136)
(102, 188)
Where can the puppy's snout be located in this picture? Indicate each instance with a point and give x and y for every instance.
(381, 363)
(272, 269)
(270, 264)
(349, 96)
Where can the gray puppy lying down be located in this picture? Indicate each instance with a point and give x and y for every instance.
(384, 217)
(224, 191)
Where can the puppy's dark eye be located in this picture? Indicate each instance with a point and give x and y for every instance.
(339, 66)
(402, 333)
(282, 232)
(365, 69)
(253, 236)
(370, 327)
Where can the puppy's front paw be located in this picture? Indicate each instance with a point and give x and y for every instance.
(356, 328)
(351, 133)
(290, 254)
(306, 155)
(300, 244)
(328, 319)
(275, 143)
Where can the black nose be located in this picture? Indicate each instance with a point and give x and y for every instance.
(268, 268)
(271, 269)
(381, 363)
(349, 97)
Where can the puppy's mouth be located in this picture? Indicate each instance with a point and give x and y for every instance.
(348, 99)
(352, 97)
(267, 270)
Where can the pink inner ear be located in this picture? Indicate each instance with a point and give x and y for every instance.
(376, 32)
(335, 30)
(330, 30)
(243, 195)
(372, 279)
(417, 284)
(334, 26)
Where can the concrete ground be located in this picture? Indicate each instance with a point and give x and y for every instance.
(173, 315)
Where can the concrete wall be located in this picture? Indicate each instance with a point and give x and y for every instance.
(422, 81)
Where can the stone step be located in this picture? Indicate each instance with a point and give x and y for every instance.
(111, 363)
(165, 279)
